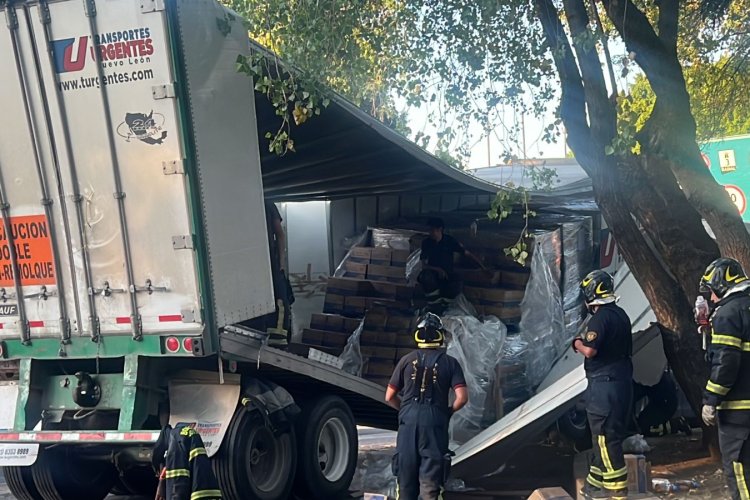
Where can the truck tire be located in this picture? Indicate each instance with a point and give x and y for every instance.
(253, 463)
(139, 481)
(60, 475)
(21, 482)
(327, 451)
(574, 425)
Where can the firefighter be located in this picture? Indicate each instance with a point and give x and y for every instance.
(607, 346)
(419, 389)
(728, 387)
(186, 472)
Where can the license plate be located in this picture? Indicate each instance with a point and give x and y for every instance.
(18, 454)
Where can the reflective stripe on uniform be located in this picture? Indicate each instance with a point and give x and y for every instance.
(739, 476)
(605, 453)
(717, 389)
(594, 482)
(620, 485)
(615, 474)
(743, 404)
(171, 474)
(205, 494)
(197, 451)
(726, 340)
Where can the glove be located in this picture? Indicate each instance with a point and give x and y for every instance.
(708, 414)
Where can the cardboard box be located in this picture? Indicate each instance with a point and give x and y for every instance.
(515, 279)
(501, 296)
(313, 337)
(406, 340)
(474, 294)
(369, 338)
(355, 306)
(479, 277)
(334, 304)
(351, 325)
(390, 274)
(318, 321)
(375, 320)
(399, 258)
(379, 352)
(387, 339)
(381, 256)
(335, 339)
(550, 494)
(360, 255)
(355, 270)
(344, 286)
(399, 324)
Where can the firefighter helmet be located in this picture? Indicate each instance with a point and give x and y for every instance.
(430, 332)
(721, 276)
(598, 288)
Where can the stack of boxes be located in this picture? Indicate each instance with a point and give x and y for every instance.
(373, 287)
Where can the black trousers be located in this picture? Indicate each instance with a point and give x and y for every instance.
(608, 408)
(421, 448)
(434, 285)
(735, 457)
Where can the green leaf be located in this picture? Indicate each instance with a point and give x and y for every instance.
(609, 150)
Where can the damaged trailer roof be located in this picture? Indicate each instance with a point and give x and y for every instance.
(345, 153)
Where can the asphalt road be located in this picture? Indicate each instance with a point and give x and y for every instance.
(369, 439)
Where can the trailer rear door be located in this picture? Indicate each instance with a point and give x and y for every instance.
(96, 216)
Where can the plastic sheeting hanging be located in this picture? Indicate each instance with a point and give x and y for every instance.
(352, 355)
(477, 345)
(577, 262)
(542, 324)
(349, 243)
(396, 239)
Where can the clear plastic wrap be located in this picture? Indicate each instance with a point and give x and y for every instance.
(542, 322)
(577, 258)
(396, 239)
(352, 355)
(514, 381)
(414, 267)
(374, 473)
(477, 345)
(349, 243)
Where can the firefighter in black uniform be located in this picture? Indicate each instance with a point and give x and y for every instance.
(728, 387)
(419, 389)
(608, 348)
(186, 468)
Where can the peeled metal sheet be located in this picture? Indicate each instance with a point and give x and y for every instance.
(487, 452)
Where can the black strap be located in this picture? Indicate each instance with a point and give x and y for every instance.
(425, 381)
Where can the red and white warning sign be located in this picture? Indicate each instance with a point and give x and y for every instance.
(738, 197)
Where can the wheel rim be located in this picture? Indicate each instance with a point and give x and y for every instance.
(264, 459)
(333, 449)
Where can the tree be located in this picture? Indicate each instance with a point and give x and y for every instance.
(468, 62)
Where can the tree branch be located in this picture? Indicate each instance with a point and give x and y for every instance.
(573, 100)
(669, 16)
(602, 114)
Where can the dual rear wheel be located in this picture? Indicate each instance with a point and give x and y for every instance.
(316, 458)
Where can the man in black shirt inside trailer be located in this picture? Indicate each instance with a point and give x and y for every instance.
(438, 251)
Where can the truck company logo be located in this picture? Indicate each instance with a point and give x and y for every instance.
(133, 46)
(148, 128)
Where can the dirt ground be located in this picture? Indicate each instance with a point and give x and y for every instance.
(681, 458)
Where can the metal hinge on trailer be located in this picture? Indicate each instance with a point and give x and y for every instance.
(183, 242)
(152, 6)
(79, 437)
(173, 167)
(166, 91)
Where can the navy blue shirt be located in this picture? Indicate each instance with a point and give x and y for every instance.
(440, 253)
(609, 332)
(448, 374)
